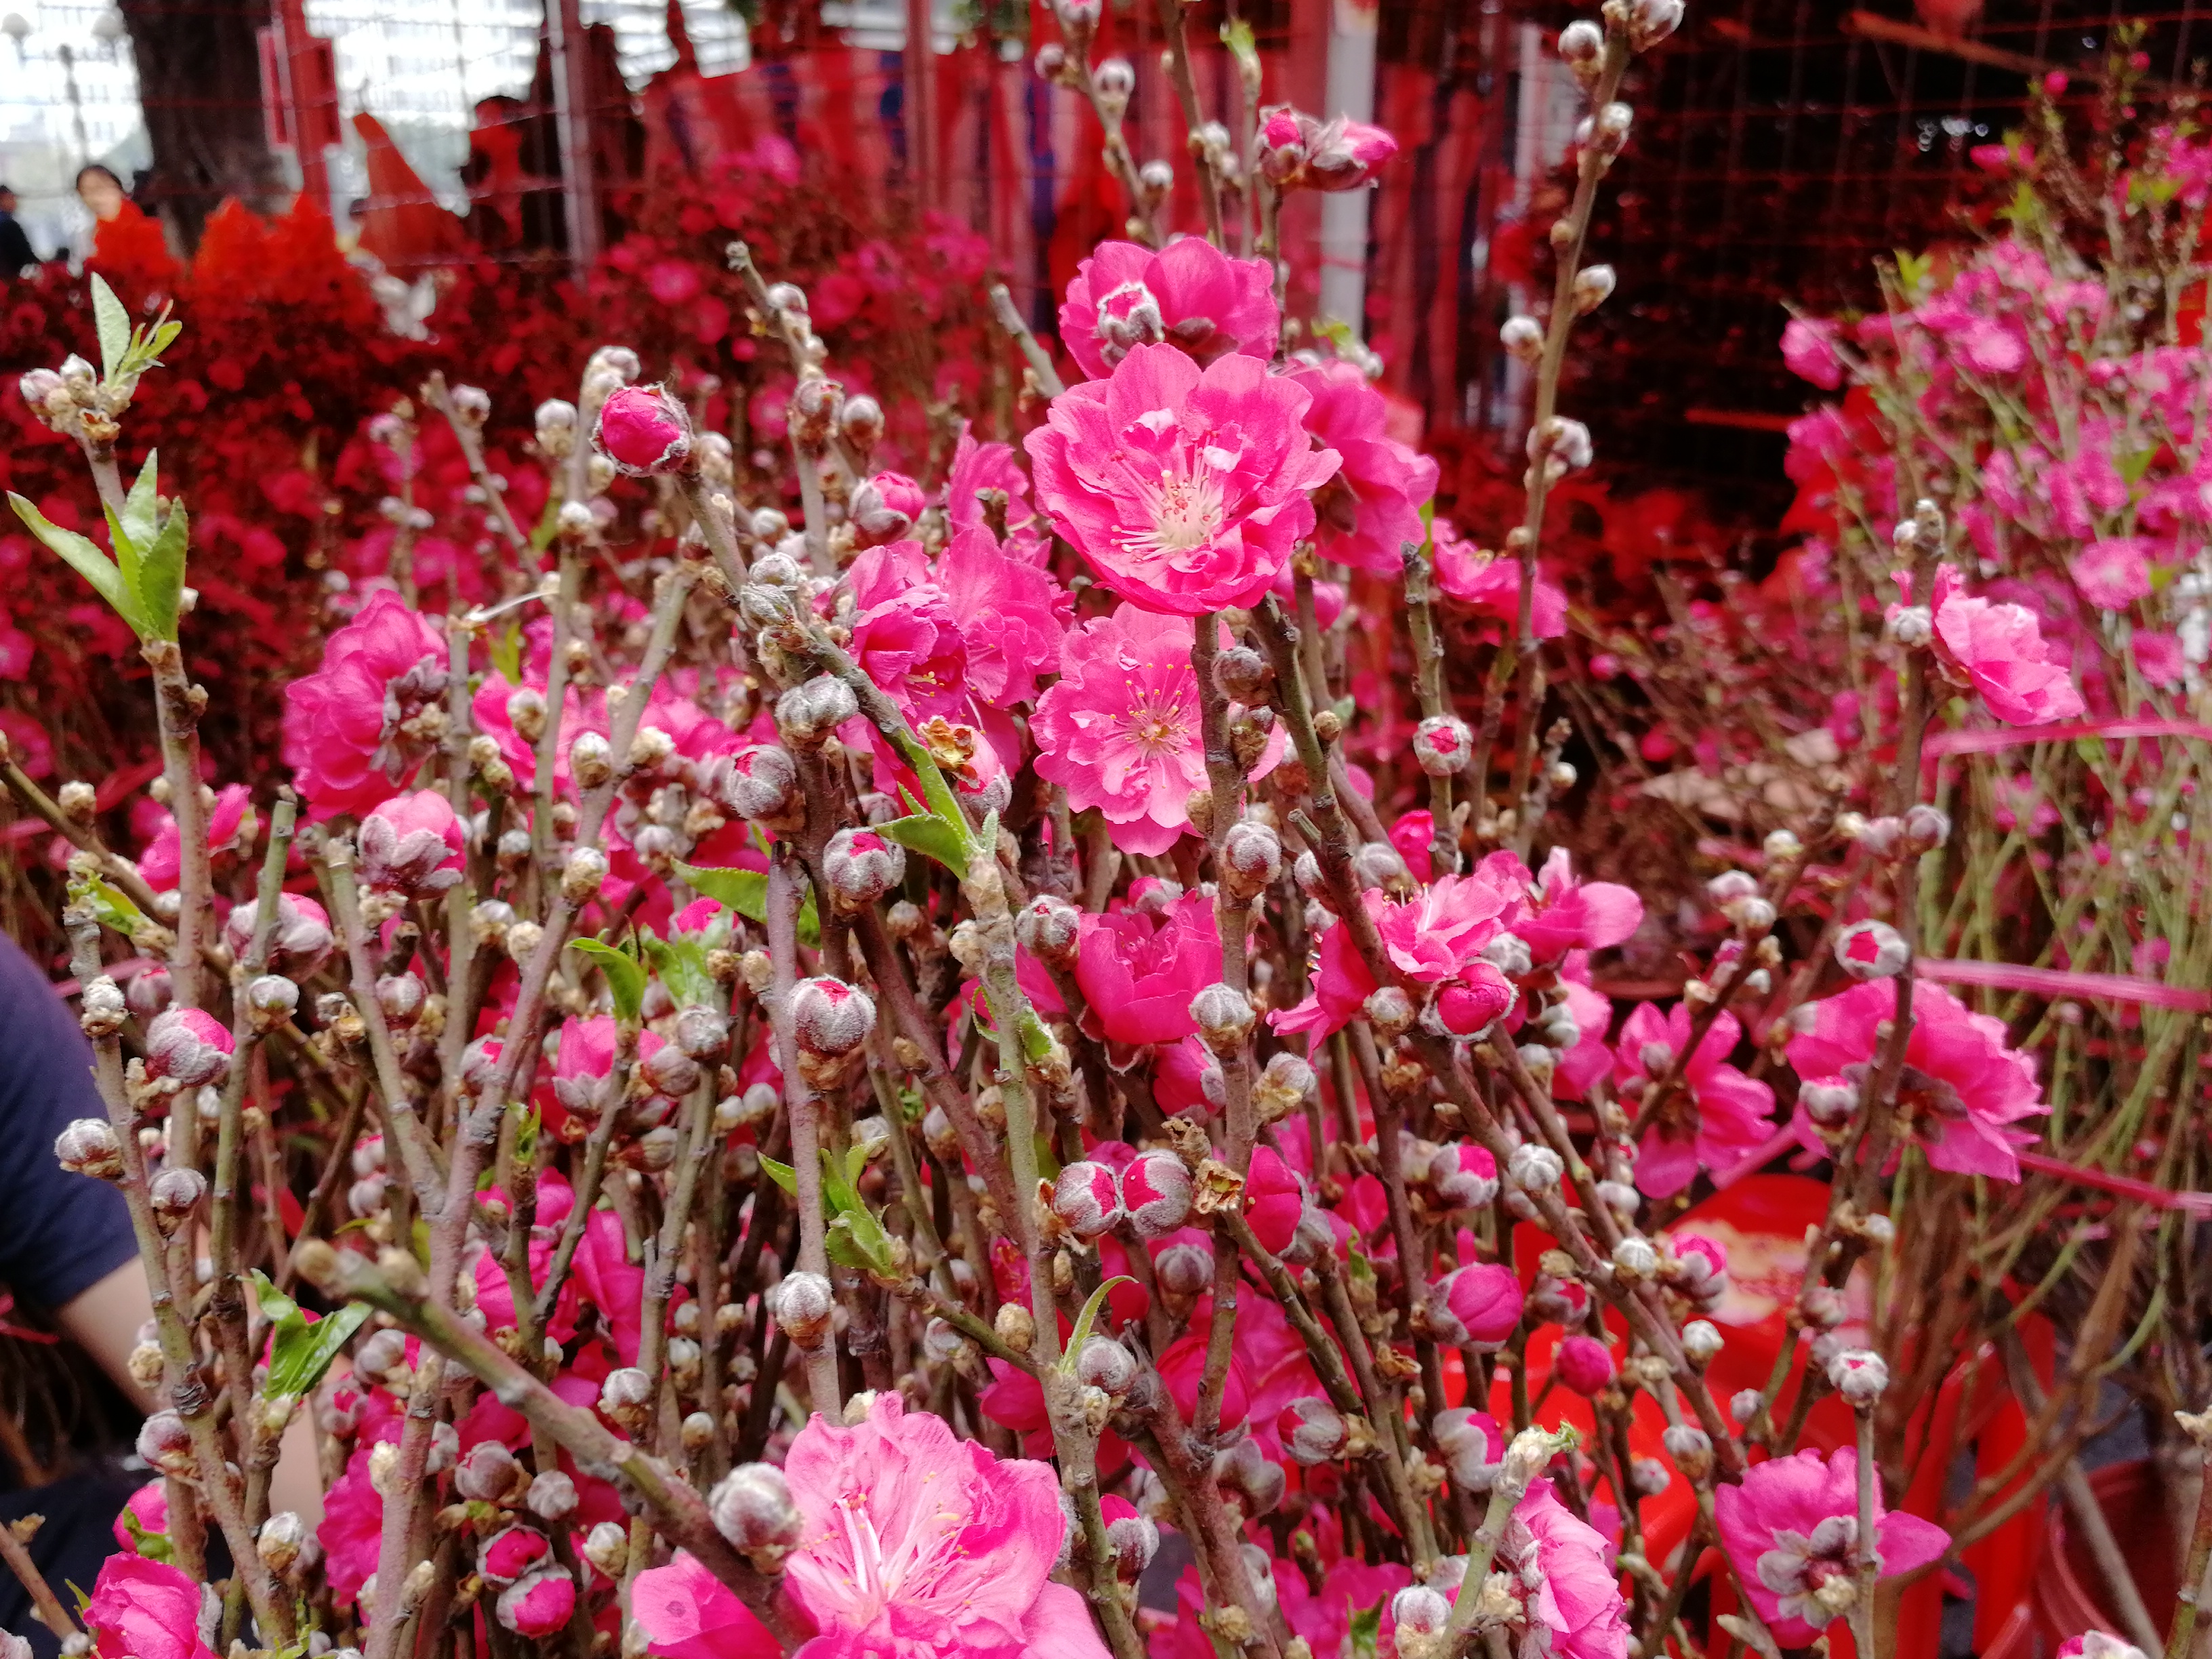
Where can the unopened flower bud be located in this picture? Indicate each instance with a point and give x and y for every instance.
(1185, 1270)
(1859, 1375)
(1135, 1539)
(188, 1046)
(812, 710)
(1106, 1365)
(1049, 928)
(1692, 1449)
(1535, 1168)
(489, 1473)
(1701, 1340)
(1224, 1016)
(829, 1018)
(1156, 1192)
(1594, 285)
(580, 877)
(760, 783)
(1829, 1102)
(644, 429)
(1744, 1405)
(1312, 1432)
(89, 1146)
(1241, 674)
(804, 1309)
(1522, 337)
(753, 1508)
(165, 1444)
(174, 1195)
(1634, 1259)
(1251, 860)
(1087, 1199)
(1389, 1011)
(1378, 864)
(551, 1496)
(1443, 744)
(1872, 950)
(625, 1393)
(1926, 828)
(860, 867)
(278, 1543)
(1651, 21)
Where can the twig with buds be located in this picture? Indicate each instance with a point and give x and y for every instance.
(1033, 352)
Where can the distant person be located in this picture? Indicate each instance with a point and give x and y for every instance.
(102, 193)
(15, 253)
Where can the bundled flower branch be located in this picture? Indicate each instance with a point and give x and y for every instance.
(856, 1057)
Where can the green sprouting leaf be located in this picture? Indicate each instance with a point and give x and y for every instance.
(110, 904)
(782, 1174)
(925, 832)
(507, 652)
(1236, 35)
(745, 891)
(1085, 1320)
(2134, 464)
(1364, 1639)
(625, 975)
(856, 1159)
(114, 321)
(161, 573)
(526, 1132)
(140, 510)
(301, 1352)
(153, 1546)
(682, 964)
(548, 526)
(84, 557)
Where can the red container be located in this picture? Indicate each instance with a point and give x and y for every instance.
(2070, 1591)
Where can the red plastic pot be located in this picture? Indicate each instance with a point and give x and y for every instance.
(2069, 1594)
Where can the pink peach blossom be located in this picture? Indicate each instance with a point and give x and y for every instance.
(144, 1609)
(1808, 348)
(1490, 585)
(1139, 971)
(1571, 1601)
(1189, 294)
(1726, 1112)
(1962, 1087)
(1998, 651)
(1792, 1525)
(1372, 507)
(1119, 730)
(1184, 489)
(344, 736)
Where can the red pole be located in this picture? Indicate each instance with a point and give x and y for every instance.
(304, 98)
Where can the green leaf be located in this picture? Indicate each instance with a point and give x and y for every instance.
(110, 904)
(140, 522)
(507, 652)
(925, 832)
(1364, 1640)
(782, 1174)
(548, 526)
(745, 891)
(153, 1546)
(84, 557)
(1085, 1320)
(1236, 35)
(526, 1132)
(299, 1353)
(625, 975)
(161, 577)
(114, 322)
(682, 964)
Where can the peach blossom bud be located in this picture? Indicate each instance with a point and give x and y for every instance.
(1251, 860)
(1184, 1270)
(165, 1444)
(810, 711)
(644, 429)
(1086, 1199)
(1872, 950)
(1224, 1016)
(760, 783)
(830, 1018)
(1443, 744)
(89, 1146)
(1156, 1192)
(173, 1194)
(860, 867)
(804, 1309)
(753, 1508)
(1048, 928)
(1312, 1432)
(187, 1046)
